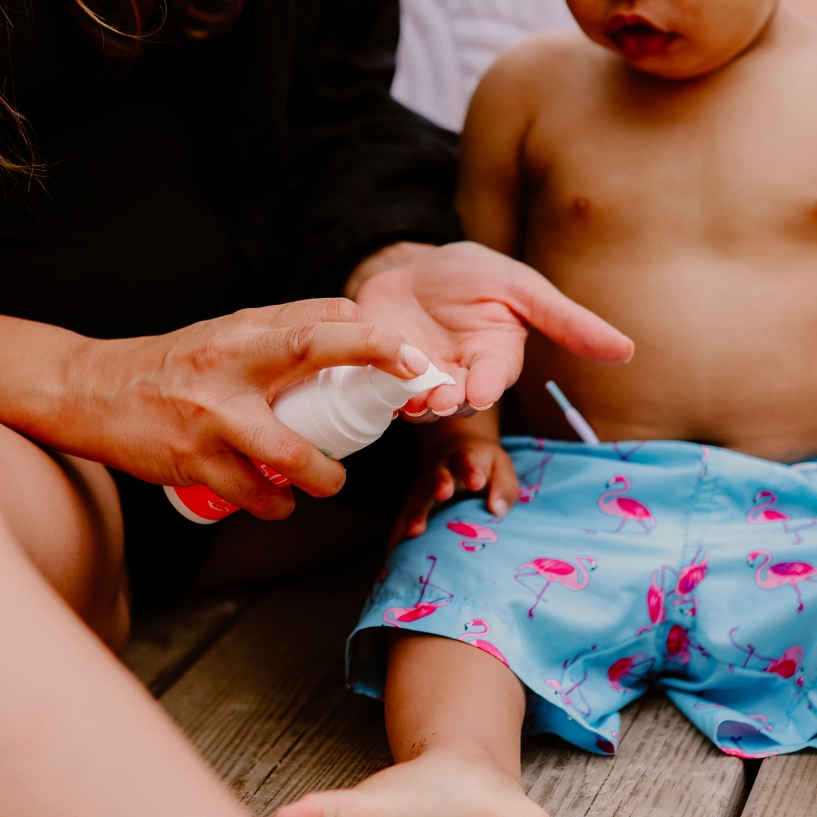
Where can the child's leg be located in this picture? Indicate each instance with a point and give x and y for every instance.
(454, 717)
(79, 736)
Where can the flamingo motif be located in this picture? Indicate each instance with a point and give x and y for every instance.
(636, 666)
(564, 694)
(764, 512)
(686, 580)
(768, 726)
(476, 535)
(786, 665)
(791, 573)
(608, 746)
(555, 570)
(397, 616)
(679, 643)
(474, 638)
(530, 481)
(706, 453)
(613, 503)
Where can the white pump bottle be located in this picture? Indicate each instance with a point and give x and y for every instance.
(340, 410)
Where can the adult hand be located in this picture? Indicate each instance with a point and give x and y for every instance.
(192, 406)
(469, 309)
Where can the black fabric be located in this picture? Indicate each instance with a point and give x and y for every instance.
(255, 168)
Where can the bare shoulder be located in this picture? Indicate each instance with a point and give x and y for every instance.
(544, 62)
(546, 69)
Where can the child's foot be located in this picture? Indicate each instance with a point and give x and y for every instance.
(428, 786)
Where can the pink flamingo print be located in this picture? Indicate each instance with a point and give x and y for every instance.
(768, 726)
(782, 573)
(530, 481)
(555, 570)
(686, 580)
(397, 616)
(635, 666)
(608, 746)
(706, 453)
(564, 694)
(678, 644)
(476, 535)
(612, 502)
(786, 665)
(763, 512)
(474, 638)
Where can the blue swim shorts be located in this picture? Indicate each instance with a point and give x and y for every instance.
(625, 565)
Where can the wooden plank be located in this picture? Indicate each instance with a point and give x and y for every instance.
(786, 786)
(166, 641)
(664, 767)
(267, 706)
(249, 700)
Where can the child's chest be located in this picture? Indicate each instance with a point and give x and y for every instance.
(713, 169)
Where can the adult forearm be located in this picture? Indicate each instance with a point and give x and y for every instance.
(43, 371)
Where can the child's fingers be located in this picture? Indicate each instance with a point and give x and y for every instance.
(504, 490)
(473, 466)
(437, 485)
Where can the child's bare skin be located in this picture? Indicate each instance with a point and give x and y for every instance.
(668, 182)
(685, 212)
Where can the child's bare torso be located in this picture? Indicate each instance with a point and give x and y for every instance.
(685, 214)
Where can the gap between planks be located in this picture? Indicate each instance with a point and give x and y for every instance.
(267, 706)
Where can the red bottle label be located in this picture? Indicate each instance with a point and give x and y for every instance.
(201, 501)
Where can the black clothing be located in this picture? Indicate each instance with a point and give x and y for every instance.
(255, 168)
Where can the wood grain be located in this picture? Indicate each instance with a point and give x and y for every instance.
(252, 697)
(785, 787)
(165, 642)
(266, 704)
(664, 767)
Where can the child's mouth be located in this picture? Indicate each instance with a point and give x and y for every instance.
(638, 37)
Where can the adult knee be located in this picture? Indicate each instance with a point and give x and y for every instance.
(64, 513)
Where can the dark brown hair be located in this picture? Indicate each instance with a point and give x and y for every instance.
(119, 29)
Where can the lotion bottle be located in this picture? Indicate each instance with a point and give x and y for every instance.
(340, 410)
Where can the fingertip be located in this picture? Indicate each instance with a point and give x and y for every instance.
(415, 528)
(499, 507)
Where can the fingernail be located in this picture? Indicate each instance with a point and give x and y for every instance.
(446, 413)
(481, 408)
(413, 359)
(501, 507)
(416, 413)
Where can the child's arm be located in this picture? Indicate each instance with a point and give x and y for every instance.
(490, 184)
(459, 454)
(464, 454)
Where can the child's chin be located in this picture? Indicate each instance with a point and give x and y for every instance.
(672, 68)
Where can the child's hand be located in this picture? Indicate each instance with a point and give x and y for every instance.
(466, 462)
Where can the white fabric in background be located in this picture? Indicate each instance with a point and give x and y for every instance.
(447, 45)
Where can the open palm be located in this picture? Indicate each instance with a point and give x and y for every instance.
(469, 309)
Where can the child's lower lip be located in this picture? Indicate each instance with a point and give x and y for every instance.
(642, 41)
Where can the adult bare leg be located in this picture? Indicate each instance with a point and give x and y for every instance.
(79, 736)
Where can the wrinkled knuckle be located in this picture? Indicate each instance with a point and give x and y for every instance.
(291, 453)
(299, 340)
(377, 337)
(341, 309)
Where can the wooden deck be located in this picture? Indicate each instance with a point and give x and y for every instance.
(255, 678)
